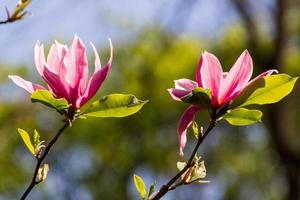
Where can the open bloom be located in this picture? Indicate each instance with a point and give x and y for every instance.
(66, 72)
(224, 87)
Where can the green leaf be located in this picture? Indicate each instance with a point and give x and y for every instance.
(195, 129)
(140, 186)
(45, 97)
(199, 171)
(20, 7)
(115, 105)
(199, 96)
(42, 173)
(243, 116)
(181, 165)
(26, 139)
(151, 190)
(82, 117)
(195, 172)
(265, 90)
(36, 137)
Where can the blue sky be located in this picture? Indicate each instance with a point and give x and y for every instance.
(97, 20)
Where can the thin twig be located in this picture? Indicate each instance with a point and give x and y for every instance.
(18, 12)
(167, 187)
(40, 159)
(173, 187)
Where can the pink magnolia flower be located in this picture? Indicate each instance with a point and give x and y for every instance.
(224, 87)
(66, 72)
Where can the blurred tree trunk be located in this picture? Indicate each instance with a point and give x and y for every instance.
(282, 123)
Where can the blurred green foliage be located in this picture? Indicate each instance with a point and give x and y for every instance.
(96, 158)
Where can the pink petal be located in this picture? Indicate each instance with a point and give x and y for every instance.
(198, 72)
(266, 73)
(97, 59)
(39, 57)
(177, 94)
(185, 84)
(237, 77)
(56, 85)
(185, 121)
(28, 86)
(210, 73)
(55, 57)
(55, 62)
(96, 81)
(182, 88)
(76, 63)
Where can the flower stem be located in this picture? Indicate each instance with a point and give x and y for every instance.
(168, 186)
(40, 159)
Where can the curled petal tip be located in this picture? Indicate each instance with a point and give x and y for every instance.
(97, 59)
(181, 152)
(177, 94)
(111, 48)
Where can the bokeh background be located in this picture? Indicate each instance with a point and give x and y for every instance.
(155, 42)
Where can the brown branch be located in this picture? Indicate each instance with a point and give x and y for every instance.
(40, 159)
(173, 187)
(18, 12)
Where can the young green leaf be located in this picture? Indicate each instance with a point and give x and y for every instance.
(36, 137)
(181, 165)
(243, 116)
(195, 129)
(140, 186)
(26, 139)
(42, 173)
(151, 190)
(46, 98)
(115, 105)
(200, 97)
(199, 171)
(265, 90)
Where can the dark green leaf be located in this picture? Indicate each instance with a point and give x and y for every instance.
(151, 190)
(199, 96)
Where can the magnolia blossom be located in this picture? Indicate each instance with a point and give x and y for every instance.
(224, 87)
(66, 72)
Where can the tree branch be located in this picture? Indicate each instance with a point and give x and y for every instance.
(168, 186)
(18, 13)
(40, 158)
